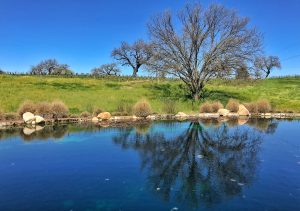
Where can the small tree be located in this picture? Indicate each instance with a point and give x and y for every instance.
(210, 43)
(266, 64)
(134, 55)
(50, 67)
(106, 69)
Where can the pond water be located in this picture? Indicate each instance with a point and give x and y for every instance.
(160, 166)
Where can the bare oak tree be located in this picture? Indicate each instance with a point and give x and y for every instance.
(266, 64)
(209, 43)
(50, 67)
(106, 69)
(134, 55)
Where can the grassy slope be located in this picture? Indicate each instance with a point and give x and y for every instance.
(82, 93)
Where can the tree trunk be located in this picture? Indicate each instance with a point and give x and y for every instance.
(196, 96)
(135, 70)
(268, 73)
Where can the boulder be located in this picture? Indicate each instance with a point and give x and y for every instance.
(95, 119)
(223, 112)
(104, 116)
(28, 117)
(39, 119)
(243, 111)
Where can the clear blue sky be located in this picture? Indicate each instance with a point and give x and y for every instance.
(82, 33)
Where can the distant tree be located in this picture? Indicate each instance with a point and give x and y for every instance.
(106, 69)
(265, 64)
(50, 67)
(134, 55)
(2, 71)
(212, 42)
(242, 72)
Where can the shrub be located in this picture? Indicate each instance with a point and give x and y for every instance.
(97, 111)
(85, 114)
(169, 107)
(44, 109)
(215, 106)
(59, 109)
(263, 106)
(233, 105)
(206, 108)
(27, 106)
(142, 109)
(11, 116)
(252, 107)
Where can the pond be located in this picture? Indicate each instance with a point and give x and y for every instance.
(198, 165)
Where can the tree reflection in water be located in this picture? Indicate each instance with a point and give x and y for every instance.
(199, 166)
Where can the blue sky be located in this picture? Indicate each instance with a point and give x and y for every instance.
(82, 33)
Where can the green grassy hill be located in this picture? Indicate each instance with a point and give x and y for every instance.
(81, 94)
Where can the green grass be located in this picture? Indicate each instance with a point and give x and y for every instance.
(80, 94)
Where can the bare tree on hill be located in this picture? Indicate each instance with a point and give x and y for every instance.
(211, 42)
(134, 55)
(106, 69)
(50, 67)
(266, 64)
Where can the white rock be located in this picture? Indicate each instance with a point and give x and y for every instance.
(39, 119)
(28, 117)
(95, 119)
(223, 112)
(181, 114)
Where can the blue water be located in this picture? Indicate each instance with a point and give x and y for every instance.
(159, 166)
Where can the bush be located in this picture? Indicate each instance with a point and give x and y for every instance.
(252, 107)
(11, 116)
(215, 106)
(44, 109)
(169, 107)
(206, 108)
(59, 109)
(263, 106)
(142, 109)
(233, 105)
(97, 111)
(85, 114)
(27, 106)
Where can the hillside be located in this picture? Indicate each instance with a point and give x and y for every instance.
(81, 94)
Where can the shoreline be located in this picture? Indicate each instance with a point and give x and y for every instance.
(128, 120)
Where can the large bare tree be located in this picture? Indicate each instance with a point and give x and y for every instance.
(134, 55)
(206, 43)
(265, 64)
(106, 69)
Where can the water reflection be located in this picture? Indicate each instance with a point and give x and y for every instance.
(200, 165)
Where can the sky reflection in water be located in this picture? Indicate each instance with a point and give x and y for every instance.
(163, 166)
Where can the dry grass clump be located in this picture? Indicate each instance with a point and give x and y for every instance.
(27, 106)
(169, 107)
(85, 114)
(44, 109)
(252, 107)
(263, 106)
(11, 116)
(215, 106)
(59, 109)
(123, 109)
(142, 109)
(233, 105)
(206, 108)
